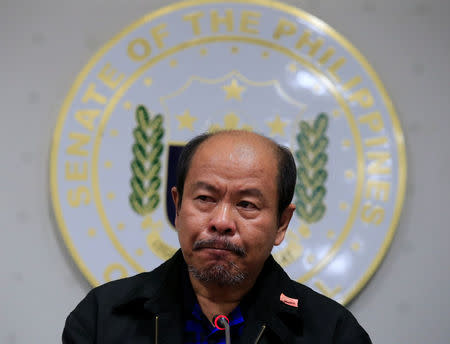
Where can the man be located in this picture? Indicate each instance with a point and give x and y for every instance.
(233, 201)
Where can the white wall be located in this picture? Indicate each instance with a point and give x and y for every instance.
(44, 44)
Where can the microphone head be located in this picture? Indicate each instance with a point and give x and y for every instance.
(220, 321)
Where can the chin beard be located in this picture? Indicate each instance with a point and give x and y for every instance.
(219, 274)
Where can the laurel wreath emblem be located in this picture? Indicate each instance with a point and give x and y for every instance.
(311, 174)
(146, 165)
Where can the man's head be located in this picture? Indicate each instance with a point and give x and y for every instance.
(286, 177)
(233, 199)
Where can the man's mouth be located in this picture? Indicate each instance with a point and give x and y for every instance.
(219, 244)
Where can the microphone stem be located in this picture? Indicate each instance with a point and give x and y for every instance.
(227, 333)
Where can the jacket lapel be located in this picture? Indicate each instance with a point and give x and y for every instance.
(283, 319)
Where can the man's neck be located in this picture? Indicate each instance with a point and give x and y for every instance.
(218, 299)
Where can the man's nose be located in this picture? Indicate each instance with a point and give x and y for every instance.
(222, 220)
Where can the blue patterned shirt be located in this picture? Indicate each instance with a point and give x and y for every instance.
(199, 330)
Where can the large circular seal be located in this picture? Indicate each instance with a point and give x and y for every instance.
(208, 65)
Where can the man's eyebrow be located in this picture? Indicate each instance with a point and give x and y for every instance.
(204, 185)
(251, 192)
(244, 192)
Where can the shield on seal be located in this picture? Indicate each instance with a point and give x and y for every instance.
(174, 152)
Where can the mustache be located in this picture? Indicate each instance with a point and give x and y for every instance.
(222, 244)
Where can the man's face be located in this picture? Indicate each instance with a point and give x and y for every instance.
(227, 222)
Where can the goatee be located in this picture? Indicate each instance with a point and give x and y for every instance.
(219, 274)
(224, 273)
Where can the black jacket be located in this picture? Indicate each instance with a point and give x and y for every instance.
(146, 309)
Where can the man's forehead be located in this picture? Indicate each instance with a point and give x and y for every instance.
(234, 157)
(239, 144)
(250, 157)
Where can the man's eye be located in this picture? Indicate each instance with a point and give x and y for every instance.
(246, 205)
(204, 198)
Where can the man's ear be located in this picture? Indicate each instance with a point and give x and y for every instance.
(175, 197)
(283, 224)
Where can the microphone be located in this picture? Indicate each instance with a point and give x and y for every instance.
(221, 322)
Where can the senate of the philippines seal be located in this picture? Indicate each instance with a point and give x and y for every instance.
(209, 65)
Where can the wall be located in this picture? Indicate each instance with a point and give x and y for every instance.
(44, 44)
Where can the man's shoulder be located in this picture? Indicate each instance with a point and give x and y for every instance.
(141, 286)
(312, 301)
(119, 288)
(322, 314)
(318, 317)
(101, 312)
